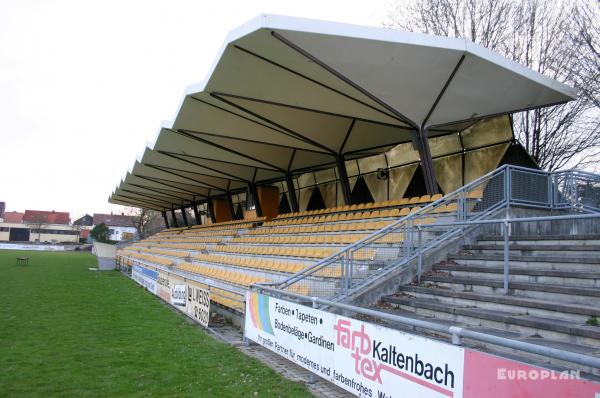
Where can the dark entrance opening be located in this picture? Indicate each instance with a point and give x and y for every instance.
(18, 235)
(284, 205)
(417, 187)
(239, 212)
(361, 193)
(316, 201)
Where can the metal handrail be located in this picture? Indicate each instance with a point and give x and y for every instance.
(455, 332)
(360, 243)
(408, 226)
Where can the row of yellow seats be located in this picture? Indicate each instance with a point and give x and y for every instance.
(300, 288)
(301, 239)
(364, 206)
(449, 208)
(217, 231)
(153, 259)
(226, 293)
(278, 251)
(227, 276)
(308, 229)
(291, 252)
(228, 224)
(227, 302)
(182, 246)
(248, 262)
(346, 217)
(171, 253)
(193, 239)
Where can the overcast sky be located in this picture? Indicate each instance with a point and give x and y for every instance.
(84, 85)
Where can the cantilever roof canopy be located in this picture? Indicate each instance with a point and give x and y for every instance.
(286, 95)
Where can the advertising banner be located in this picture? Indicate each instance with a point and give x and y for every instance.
(198, 303)
(365, 359)
(145, 277)
(163, 283)
(491, 376)
(373, 361)
(178, 294)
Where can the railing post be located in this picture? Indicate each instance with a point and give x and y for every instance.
(420, 251)
(455, 332)
(506, 233)
(507, 182)
(312, 378)
(350, 268)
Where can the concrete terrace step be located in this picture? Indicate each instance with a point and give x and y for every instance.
(559, 293)
(519, 274)
(578, 313)
(500, 350)
(539, 262)
(535, 250)
(530, 259)
(529, 325)
(583, 240)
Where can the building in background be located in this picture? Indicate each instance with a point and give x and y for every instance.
(2, 208)
(121, 227)
(46, 217)
(38, 226)
(84, 225)
(14, 217)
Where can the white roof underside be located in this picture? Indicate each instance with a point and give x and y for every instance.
(290, 94)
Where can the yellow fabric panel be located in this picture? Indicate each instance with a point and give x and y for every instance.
(378, 188)
(399, 179)
(371, 163)
(448, 171)
(351, 168)
(487, 132)
(444, 145)
(326, 175)
(329, 194)
(304, 197)
(482, 161)
(306, 179)
(402, 154)
(351, 182)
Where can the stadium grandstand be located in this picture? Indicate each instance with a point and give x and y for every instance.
(375, 173)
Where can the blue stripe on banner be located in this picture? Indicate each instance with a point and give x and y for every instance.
(263, 310)
(150, 273)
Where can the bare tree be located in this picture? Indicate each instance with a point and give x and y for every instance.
(37, 223)
(144, 220)
(545, 36)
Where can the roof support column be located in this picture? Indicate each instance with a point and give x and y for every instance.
(341, 167)
(175, 224)
(210, 210)
(184, 216)
(196, 213)
(254, 194)
(289, 180)
(427, 162)
(164, 214)
(230, 205)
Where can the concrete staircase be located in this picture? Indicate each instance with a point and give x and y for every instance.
(554, 296)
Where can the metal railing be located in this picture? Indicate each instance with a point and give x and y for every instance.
(505, 233)
(456, 333)
(490, 197)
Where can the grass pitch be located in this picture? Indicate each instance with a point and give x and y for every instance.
(67, 331)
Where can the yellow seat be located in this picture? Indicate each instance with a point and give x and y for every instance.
(425, 199)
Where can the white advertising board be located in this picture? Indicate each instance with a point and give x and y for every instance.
(198, 304)
(363, 358)
(145, 277)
